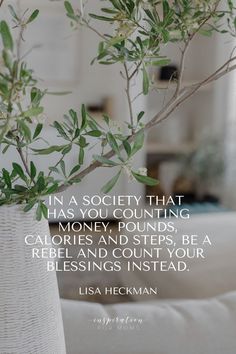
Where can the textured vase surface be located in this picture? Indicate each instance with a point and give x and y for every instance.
(30, 312)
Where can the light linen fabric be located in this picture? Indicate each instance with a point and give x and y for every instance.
(207, 277)
(206, 326)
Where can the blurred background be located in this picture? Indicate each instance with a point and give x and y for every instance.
(192, 153)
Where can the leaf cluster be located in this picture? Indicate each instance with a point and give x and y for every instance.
(138, 31)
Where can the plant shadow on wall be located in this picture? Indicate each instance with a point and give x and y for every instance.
(137, 32)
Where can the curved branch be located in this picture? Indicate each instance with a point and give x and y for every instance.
(129, 99)
(169, 108)
(190, 91)
(91, 28)
(185, 49)
(181, 71)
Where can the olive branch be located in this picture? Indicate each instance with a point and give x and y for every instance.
(137, 32)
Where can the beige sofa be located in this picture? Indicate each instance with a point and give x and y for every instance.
(205, 323)
(168, 327)
(208, 277)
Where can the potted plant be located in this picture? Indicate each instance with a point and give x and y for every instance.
(30, 320)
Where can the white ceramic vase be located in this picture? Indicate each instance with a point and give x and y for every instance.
(30, 312)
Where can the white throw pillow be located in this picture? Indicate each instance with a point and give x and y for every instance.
(168, 327)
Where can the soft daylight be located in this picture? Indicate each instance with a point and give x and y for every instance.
(117, 177)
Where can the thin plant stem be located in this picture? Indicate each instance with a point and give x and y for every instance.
(129, 99)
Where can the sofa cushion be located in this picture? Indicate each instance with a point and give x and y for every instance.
(207, 277)
(206, 326)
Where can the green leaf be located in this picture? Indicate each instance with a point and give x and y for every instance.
(50, 150)
(4, 88)
(63, 167)
(74, 117)
(145, 179)
(39, 213)
(58, 93)
(92, 124)
(60, 130)
(7, 178)
(166, 8)
(95, 133)
(101, 47)
(82, 142)
(69, 8)
(114, 41)
(13, 12)
(38, 130)
(110, 184)
(20, 189)
(138, 142)
(66, 149)
(29, 206)
(18, 170)
(161, 62)
(235, 22)
(107, 62)
(75, 180)
(32, 170)
(44, 210)
(105, 161)
(127, 147)
(101, 18)
(25, 130)
(7, 59)
(106, 119)
(140, 116)
(77, 133)
(205, 32)
(81, 156)
(36, 96)
(5, 149)
(6, 36)
(54, 169)
(166, 35)
(145, 81)
(33, 16)
(113, 144)
(74, 169)
(84, 117)
(40, 183)
(33, 112)
(52, 189)
(108, 10)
